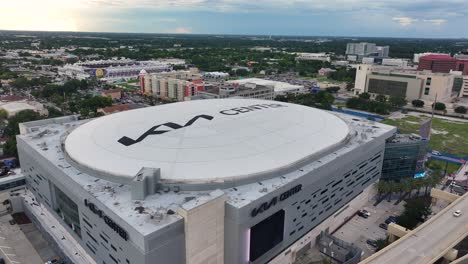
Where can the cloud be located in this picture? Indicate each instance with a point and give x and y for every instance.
(436, 22)
(404, 21)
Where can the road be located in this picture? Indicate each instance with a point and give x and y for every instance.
(430, 241)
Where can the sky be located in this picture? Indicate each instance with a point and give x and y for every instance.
(373, 18)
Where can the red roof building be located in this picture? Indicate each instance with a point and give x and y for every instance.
(437, 63)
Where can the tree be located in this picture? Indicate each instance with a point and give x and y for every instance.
(397, 101)
(415, 210)
(460, 109)
(381, 243)
(365, 96)
(381, 98)
(3, 114)
(12, 129)
(439, 106)
(417, 103)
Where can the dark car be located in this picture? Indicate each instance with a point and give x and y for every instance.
(390, 219)
(383, 226)
(371, 242)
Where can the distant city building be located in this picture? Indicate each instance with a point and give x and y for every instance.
(114, 94)
(112, 70)
(118, 108)
(313, 56)
(14, 107)
(404, 157)
(437, 63)
(215, 76)
(360, 49)
(246, 90)
(402, 63)
(280, 88)
(325, 71)
(364, 49)
(172, 86)
(382, 51)
(417, 56)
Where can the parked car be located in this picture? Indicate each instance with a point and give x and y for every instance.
(435, 152)
(53, 261)
(383, 226)
(371, 242)
(457, 213)
(363, 213)
(390, 219)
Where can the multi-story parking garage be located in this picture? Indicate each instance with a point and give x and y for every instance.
(211, 181)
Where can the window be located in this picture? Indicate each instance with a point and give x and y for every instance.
(428, 81)
(427, 91)
(266, 235)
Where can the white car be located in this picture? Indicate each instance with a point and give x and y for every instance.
(457, 213)
(435, 152)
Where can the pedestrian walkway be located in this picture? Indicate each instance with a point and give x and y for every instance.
(65, 240)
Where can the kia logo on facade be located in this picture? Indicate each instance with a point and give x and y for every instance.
(126, 141)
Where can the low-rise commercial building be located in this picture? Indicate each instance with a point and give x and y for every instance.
(247, 90)
(280, 88)
(303, 56)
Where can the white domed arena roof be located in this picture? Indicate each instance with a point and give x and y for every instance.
(205, 141)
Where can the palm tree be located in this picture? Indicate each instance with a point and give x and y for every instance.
(406, 186)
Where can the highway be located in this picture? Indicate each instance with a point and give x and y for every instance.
(430, 241)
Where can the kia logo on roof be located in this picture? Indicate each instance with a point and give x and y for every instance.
(126, 141)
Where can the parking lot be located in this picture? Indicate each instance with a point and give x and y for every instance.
(359, 229)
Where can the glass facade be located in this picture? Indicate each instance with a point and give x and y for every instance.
(403, 158)
(67, 210)
(387, 87)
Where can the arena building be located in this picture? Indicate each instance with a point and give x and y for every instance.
(112, 70)
(210, 181)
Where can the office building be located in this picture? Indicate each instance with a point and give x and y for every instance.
(404, 157)
(232, 181)
(411, 84)
(280, 88)
(360, 49)
(382, 51)
(437, 63)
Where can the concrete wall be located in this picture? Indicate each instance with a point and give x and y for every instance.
(204, 232)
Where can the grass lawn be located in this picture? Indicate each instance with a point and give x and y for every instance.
(440, 165)
(447, 136)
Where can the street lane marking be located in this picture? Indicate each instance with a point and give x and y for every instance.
(4, 247)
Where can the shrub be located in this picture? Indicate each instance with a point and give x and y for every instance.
(417, 103)
(460, 109)
(440, 106)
